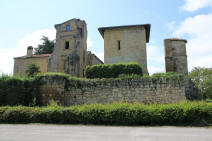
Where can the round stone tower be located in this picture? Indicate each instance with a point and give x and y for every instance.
(175, 55)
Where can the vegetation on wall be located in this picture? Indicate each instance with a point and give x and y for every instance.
(202, 78)
(169, 75)
(16, 91)
(112, 70)
(24, 91)
(46, 47)
(185, 113)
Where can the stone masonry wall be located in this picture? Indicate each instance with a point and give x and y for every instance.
(20, 64)
(132, 46)
(66, 92)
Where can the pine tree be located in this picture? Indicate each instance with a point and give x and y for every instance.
(46, 47)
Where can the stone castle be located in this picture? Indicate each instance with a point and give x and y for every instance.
(70, 53)
(121, 44)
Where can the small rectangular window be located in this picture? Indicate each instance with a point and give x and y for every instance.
(68, 27)
(119, 44)
(67, 45)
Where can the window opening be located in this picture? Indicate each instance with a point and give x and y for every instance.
(67, 45)
(68, 27)
(119, 44)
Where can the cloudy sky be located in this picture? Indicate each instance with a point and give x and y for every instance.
(23, 22)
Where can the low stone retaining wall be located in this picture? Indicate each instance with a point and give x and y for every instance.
(68, 92)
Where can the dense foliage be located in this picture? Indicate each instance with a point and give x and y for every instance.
(32, 70)
(112, 70)
(186, 113)
(46, 47)
(16, 91)
(202, 78)
(169, 75)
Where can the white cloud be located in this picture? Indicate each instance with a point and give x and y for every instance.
(153, 69)
(89, 42)
(193, 5)
(199, 32)
(100, 56)
(6, 57)
(33, 39)
(155, 59)
(154, 53)
(171, 25)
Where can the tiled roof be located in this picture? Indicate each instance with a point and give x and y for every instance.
(34, 56)
(146, 26)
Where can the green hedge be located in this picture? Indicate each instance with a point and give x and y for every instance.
(112, 70)
(169, 75)
(16, 91)
(186, 113)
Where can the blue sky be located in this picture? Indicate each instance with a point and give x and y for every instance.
(23, 22)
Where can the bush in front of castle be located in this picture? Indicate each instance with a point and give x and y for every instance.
(112, 70)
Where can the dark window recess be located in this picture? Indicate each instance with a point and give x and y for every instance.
(119, 44)
(67, 45)
(80, 31)
(175, 66)
(68, 27)
(83, 57)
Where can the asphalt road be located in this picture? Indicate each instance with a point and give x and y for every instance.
(31, 132)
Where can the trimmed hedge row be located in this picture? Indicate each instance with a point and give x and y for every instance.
(112, 70)
(169, 75)
(186, 113)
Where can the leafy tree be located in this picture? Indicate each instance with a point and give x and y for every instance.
(46, 47)
(32, 70)
(202, 78)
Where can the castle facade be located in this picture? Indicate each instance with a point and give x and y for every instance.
(122, 44)
(70, 53)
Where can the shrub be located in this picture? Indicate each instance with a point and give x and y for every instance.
(169, 75)
(112, 70)
(129, 76)
(32, 70)
(16, 91)
(185, 113)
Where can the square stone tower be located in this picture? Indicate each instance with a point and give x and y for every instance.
(175, 55)
(124, 44)
(69, 55)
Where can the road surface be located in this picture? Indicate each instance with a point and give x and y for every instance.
(43, 132)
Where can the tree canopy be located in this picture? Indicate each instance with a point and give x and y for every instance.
(202, 78)
(46, 47)
(32, 70)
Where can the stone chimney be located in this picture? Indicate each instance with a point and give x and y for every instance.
(29, 51)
